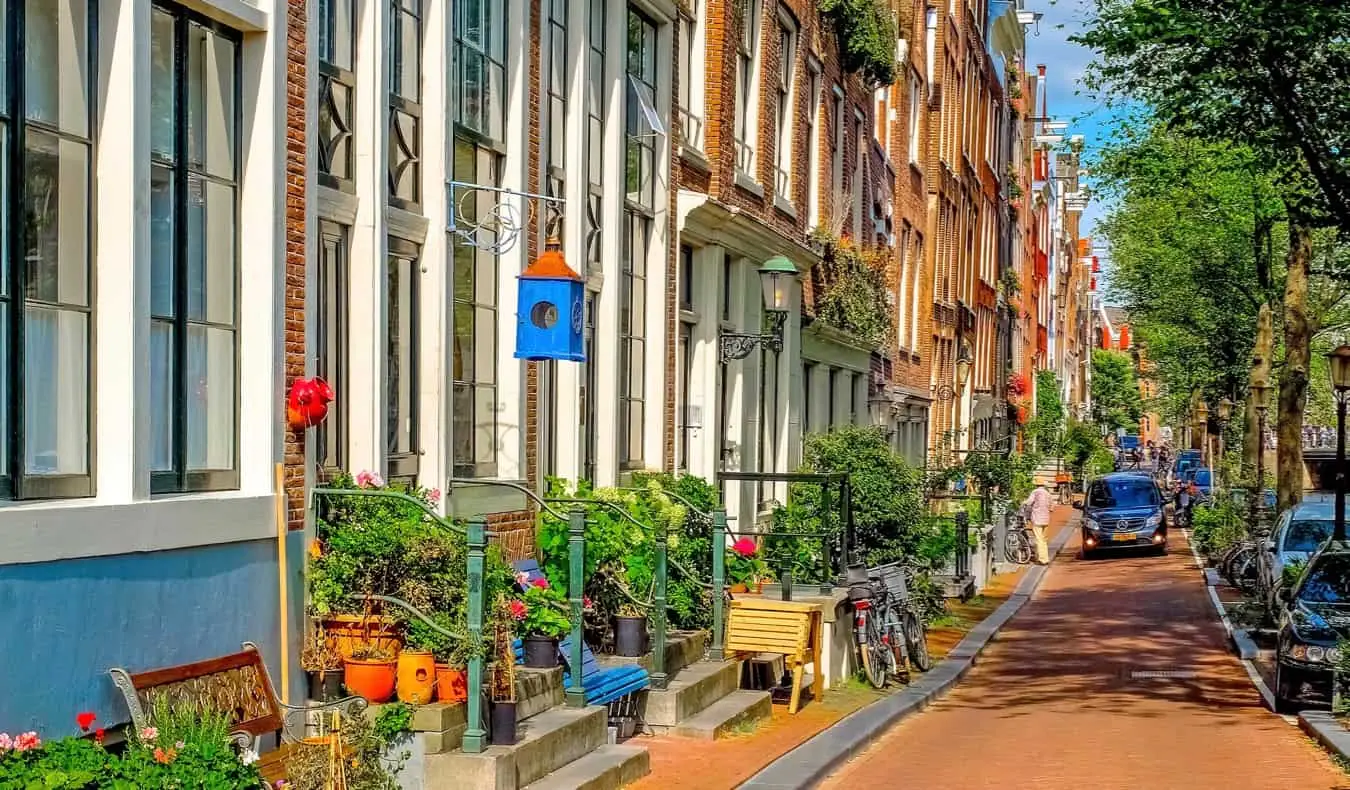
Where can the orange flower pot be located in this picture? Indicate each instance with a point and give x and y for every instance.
(416, 676)
(452, 683)
(373, 680)
(739, 588)
(350, 631)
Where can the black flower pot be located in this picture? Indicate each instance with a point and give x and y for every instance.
(541, 652)
(325, 686)
(503, 731)
(630, 636)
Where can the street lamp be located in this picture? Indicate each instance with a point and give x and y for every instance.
(1340, 385)
(1225, 411)
(1261, 400)
(775, 275)
(1202, 428)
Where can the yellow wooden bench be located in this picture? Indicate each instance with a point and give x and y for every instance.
(788, 627)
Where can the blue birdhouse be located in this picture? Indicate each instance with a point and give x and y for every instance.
(550, 309)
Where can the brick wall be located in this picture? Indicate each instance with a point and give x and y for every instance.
(294, 357)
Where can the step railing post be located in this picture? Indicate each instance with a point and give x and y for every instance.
(576, 586)
(475, 736)
(659, 677)
(719, 589)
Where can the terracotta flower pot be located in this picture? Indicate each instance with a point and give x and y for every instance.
(373, 680)
(350, 631)
(739, 588)
(452, 683)
(416, 676)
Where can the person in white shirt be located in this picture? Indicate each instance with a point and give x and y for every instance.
(1038, 505)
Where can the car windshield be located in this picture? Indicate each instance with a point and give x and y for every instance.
(1328, 581)
(1202, 477)
(1123, 493)
(1306, 535)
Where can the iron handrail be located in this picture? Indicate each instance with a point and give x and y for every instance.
(384, 493)
(538, 500)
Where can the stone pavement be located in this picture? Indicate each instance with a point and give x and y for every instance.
(1059, 702)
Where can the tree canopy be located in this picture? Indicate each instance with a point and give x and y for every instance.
(1116, 402)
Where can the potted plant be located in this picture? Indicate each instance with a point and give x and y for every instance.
(503, 708)
(322, 664)
(745, 568)
(543, 620)
(371, 672)
(416, 667)
(452, 678)
(630, 631)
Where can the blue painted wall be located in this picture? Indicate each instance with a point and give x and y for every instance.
(64, 624)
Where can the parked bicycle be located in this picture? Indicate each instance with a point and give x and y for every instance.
(1020, 546)
(1238, 565)
(887, 623)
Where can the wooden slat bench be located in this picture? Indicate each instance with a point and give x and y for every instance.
(236, 685)
(790, 628)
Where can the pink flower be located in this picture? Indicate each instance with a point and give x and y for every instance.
(586, 602)
(434, 496)
(366, 479)
(540, 582)
(745, 547)
(522, 578)
(29, 740)
(6, 742)
(149, 734)
(518, 610)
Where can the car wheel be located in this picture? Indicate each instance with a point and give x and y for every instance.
(1287, 685)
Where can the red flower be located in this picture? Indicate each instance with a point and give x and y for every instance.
(98, 736)
(85, 720)
(165, 757)
(745, 547)
(518, 610)
(540, 582)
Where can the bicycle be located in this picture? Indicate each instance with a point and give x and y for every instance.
(1020, 546)
(888, 628)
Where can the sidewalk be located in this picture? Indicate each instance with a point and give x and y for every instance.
(688, 764)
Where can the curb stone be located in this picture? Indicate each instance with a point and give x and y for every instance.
(1327, 731)
(1245, 646)
(812, 761)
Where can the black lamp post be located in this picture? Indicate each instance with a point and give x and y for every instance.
(1261, 399)
(1340, 385)
(774, 277)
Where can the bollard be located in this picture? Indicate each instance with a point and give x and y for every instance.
(475, 737)
(1001, 537)
(719, 588)
(659, 677)
(576, 581)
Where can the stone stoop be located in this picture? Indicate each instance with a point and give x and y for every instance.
(683, 648)
(724, 716)
(608, 768)
(691, 691)
(545, 743)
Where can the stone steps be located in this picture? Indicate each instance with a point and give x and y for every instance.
(544, 743)
(608, 768)
(690, 692)
(738, 709)
(683, 648)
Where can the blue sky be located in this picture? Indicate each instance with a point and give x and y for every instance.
(1065, 63)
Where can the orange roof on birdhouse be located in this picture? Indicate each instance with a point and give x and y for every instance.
(551, 264)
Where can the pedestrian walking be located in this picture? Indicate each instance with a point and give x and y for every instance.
(1038, 505)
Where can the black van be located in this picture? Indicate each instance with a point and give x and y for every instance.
(1123, 510)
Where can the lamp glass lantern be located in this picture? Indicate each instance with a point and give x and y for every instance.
(1340, 370)
(1261, 395)
(774, 277)
(962, 373)
(1225, 410)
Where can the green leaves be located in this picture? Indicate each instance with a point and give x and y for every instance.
(866, 33)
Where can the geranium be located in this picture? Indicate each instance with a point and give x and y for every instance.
(546, 611)
(29, 740)
(518, 610)
(164, 757)
(149, 734)
(85, 720)
(368, 479)
(744, 566)
(434, 496)
(98, 735)
(6, 742)
(1017, 384)
(540, 582)
(745, 547)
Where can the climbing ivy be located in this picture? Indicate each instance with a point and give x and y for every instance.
(854, 295)
(867, 35)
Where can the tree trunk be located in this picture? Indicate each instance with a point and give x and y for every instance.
(1297, 358)
(1261, 351)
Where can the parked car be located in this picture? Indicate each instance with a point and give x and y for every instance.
(1203, 477)
(1123, 510)
(1315, 617)
(1185, 460)
(1298, 532)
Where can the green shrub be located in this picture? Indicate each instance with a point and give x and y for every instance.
(1216, 526)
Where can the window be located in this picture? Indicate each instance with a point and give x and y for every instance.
(860, 155)
(642, 134)
(746, 47)
(402, 401)
(405, 104)
(337, 89)
(813, 140)
(45, 302)
(632, 338)
(787, 66)
(557, 89)
(691, 116)
(915, 268)
(833, 379)
(906, 266)
(837, 156)
(915, 98)
(725, 295)
(686, 277)
(686, 351)
(808, 370)
(595, 132)
(194, 252)
(331, 341)
(474, 408)
(589, 442)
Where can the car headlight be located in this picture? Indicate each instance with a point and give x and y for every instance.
(1299, 652)
(1091, 523)
(1153, 521)
(1334, 655)
(1316, 653)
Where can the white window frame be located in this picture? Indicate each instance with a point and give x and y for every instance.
(816, 85)
(789, 38)
(914, 115)
(746, 123)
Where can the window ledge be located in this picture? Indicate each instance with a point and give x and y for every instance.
(240, 14)
(695, 158)
(72, 529)
(785, 206)
(749, 184)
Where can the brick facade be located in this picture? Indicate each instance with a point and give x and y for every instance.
(296, 240)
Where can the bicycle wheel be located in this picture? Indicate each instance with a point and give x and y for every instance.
(916, 641)
(1245, 571)
(874, 653)
(895, 640)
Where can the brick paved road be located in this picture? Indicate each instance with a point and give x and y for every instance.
(1052, 704)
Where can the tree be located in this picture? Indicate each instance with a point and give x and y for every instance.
(1116, 402)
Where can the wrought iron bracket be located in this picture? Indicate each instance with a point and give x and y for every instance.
(738, 345)
(496, 229)
(944, 393)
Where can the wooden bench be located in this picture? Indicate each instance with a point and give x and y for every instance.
(790, 628)
(236, 685)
